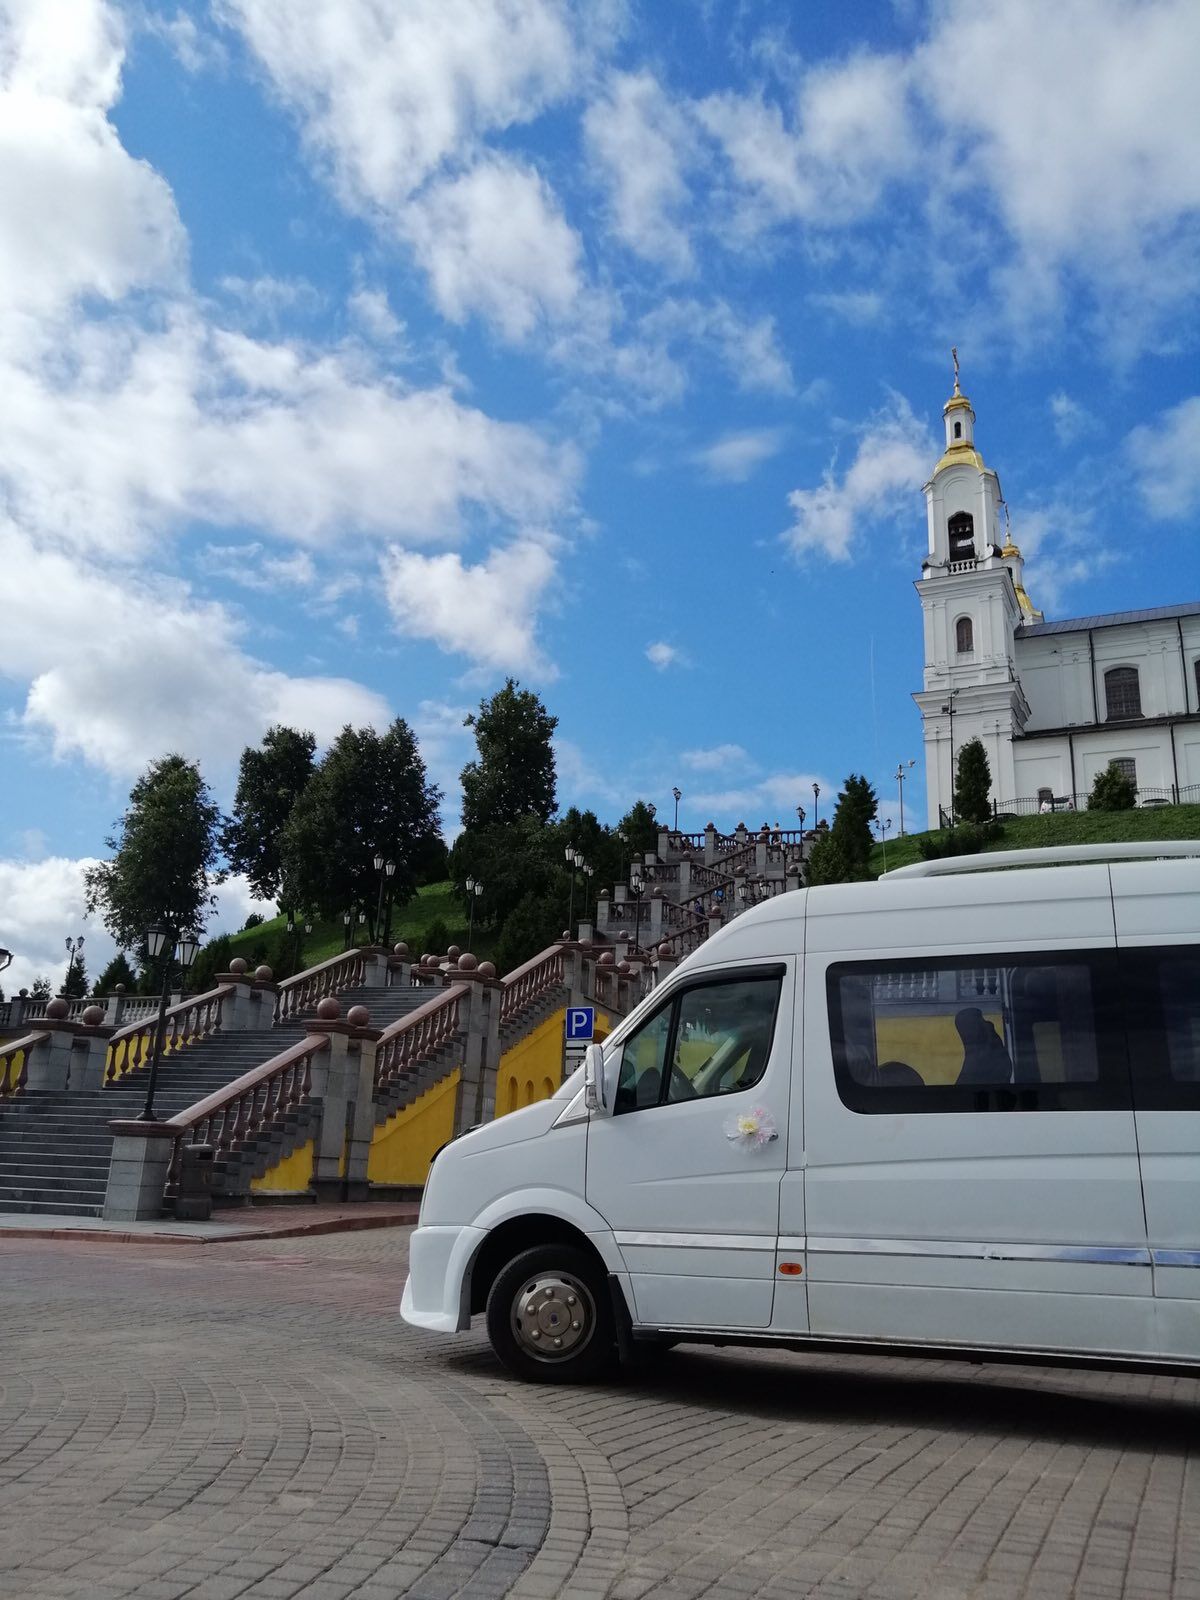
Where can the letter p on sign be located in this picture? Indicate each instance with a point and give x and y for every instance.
(581, 1024)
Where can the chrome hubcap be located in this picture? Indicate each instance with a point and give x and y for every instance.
(553, 1316)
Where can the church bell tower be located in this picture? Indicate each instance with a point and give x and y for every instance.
(973, 599)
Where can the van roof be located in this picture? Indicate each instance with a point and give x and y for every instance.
(1053, 856)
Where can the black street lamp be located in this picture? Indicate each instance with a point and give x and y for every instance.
(948, 711)
(161, 944)
(816, 805)
(678, 794)
(474, 890)
(574, 859)
(637, 883)
(902, 771)
(74, 948)
(386, 870)
(347, 919)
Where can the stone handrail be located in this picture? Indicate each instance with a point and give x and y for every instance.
(419, 1036)
(525, 983)
(14, 1063)
(301, 993)
(238, 1111)
(184, 1023)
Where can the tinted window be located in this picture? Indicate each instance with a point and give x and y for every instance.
(716, 1037)
(1022, 1033)
(1163, 990)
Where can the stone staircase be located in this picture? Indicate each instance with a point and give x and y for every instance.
(55, 1149)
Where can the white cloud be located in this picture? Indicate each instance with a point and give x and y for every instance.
(1166, 457)
(487, 612)
(170, 675)
(112, 434)
(772, 799)
(373, 313)
(893, 459)
(653, 361)
(637, 138)
(734, 457)
(1090, 122)
(388, 94)
(80, 216)
(41, 904)
(1071, 420)
(495, 243)
(194, 49)
(720, 755)
(663, 655)
(828, 162)
(860, 307)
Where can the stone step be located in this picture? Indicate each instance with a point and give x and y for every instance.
(61, 1206)
(92, 1179)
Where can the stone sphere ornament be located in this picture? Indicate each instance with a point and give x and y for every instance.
(358, 1017)
(329, 1009)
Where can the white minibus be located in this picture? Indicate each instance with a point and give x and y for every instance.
(955, 1111)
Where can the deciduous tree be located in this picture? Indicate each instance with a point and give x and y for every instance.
(1112, 791)
(271, 779)
(513, 774)
(164, 856)
(370, 794)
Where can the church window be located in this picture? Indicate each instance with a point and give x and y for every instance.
(962, 536)
(1127, 767)
(958, 430)
(1122, 693)
(964, 636)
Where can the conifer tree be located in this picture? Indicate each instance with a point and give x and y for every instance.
(973, 784)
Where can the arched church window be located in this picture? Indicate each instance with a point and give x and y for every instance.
(958, 430)
(964, 636)
(961, 528)
(1122, 693)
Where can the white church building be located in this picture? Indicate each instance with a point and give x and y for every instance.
(1053, 702)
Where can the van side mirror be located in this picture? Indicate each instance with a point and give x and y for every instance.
(594, 1097)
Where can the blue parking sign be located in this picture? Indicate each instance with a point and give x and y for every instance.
(581, 1024)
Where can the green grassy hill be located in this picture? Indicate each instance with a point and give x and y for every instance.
(435, 901)
(1064, 827)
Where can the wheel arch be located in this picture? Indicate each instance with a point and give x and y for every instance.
(508, 1236)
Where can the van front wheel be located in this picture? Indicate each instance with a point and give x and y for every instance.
(549, 1317)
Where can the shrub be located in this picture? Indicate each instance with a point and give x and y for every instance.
(973, 785)
(254, 920)
(437, 937)
(1112, 791)
(968, 840)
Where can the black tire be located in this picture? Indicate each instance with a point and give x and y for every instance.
(566, 1287)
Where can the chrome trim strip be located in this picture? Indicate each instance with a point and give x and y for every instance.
(792, 1241)
(1107, 1255)
(1176, 1258)
(699, 1241)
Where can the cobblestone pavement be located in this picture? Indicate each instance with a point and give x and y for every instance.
(254, 1420)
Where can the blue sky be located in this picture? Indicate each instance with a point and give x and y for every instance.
(356, 355)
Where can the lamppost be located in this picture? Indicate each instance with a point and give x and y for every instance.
(948, 711)
(816, 805)
(678, 794)
(386, 870)
(474, 890)
(347, 919)
(161, 943)
(74, 948)
(883, 833)
(902, 770)
(587, 873)
(637, 883)
(574, 859)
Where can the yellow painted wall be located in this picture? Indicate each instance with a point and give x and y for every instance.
(292, 1175)
(403, 1147)
(929, 1043)
(531, 1069)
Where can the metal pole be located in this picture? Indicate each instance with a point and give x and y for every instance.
(471, 920)
(148, 1112)
(379, 906)
(571, 902)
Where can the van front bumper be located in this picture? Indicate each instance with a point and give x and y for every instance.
(437, 1291)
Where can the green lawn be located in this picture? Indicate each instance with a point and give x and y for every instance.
(409, 924)
(1065, 827)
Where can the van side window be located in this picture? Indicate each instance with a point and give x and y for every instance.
(1027, 1032)
(1163, 993)
(713, 1038)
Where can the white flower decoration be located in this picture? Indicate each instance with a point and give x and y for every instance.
(752, 1128)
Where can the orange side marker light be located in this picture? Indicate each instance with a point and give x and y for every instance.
(790, 1269)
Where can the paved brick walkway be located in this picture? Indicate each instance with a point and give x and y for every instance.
(254, 1420)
